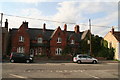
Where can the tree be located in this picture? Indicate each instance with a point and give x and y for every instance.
(83, 47)
(67, 50)
(100, 48)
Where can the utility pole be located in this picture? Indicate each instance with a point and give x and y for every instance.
(90, 37)
(1, 19)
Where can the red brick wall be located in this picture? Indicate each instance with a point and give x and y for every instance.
(53, 41)
(16, 43)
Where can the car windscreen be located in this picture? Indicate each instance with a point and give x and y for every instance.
(19, 55)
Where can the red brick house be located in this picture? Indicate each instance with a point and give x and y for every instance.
(44, 41)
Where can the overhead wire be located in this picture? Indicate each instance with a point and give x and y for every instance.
(39, 19)
(56, 21)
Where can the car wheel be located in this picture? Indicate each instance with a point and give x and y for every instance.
(28, 61)
(12, 61)
(94, 62)
(79, 62)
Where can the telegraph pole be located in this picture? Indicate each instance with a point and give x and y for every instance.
(1, 19)
(90, 37)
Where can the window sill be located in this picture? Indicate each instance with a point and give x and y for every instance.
(21, 41)
(58, 54)
(72, 43)
(58, 42)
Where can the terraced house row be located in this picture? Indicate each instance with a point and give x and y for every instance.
(44, 41)
(49, 42)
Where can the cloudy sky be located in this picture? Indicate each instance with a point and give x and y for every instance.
(103, 14)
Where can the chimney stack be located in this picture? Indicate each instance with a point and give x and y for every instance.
(6, 24)
(25, 24)
(76, 28)
(44, 27)
(112, 30)
(65, 27)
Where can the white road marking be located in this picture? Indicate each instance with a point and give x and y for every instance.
(60, 71)
(94, 76)
(57, 71)
(17, 76)
(75, 71)
(91, 75)
(70, 71)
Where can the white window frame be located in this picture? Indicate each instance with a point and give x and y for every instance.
(20, 49)
(40, 40)
(72, 41)
(39, 51)
(21, 39)
(58, 51)
(59, 40)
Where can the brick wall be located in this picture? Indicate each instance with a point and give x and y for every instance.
(53, 41)
(15, 40)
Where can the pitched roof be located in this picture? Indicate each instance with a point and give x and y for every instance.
(84, 34)
(117, 35)
(34, 32)
(77, 36)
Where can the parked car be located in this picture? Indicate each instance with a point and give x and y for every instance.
(84, 58)
(20, 57)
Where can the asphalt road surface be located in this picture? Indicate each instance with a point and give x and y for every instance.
(29, 71)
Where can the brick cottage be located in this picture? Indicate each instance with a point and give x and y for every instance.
(44, 41)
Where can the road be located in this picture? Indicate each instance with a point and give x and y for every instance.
(29, 71)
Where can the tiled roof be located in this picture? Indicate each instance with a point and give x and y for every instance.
(34, 32)
(117, 35)
(77, 36)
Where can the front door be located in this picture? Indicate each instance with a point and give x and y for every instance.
(31, 52)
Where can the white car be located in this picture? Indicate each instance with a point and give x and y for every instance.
(80, 58)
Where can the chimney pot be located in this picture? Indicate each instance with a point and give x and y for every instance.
(76, 28)
(113, 30)
(65, 27)
(6, 24)
(25, 24)
(44, 27)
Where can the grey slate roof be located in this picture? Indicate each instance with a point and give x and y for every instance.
(117, 35)
(34, 32)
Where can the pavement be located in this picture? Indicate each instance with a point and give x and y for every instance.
(68, 61)
(64, 61)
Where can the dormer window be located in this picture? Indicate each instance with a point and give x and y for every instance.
(21, 39)
(59, 40)
(39, 40)
(72, 42)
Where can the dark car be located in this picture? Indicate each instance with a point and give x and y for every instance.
(20, 57)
